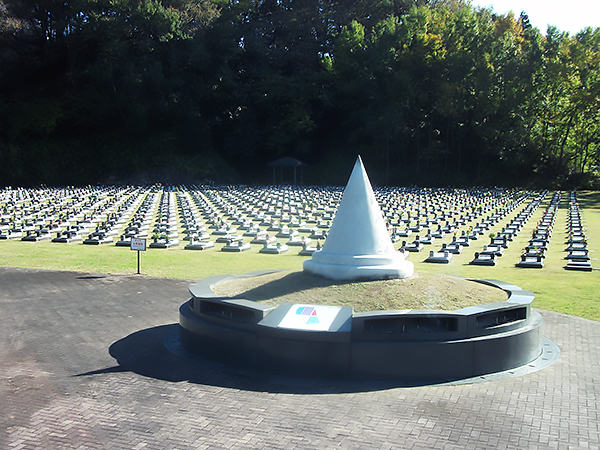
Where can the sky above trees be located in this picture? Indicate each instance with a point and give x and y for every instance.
(580, 13)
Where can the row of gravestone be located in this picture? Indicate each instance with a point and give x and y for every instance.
(234, 207)
(301, 216)
(578, 257)
(314, 209)
(138, 223)
(105, 230)
(39, 218)
(102, 219)
(497, 244)
(231, 227)
(165, 234)
(500, 241)
(535, 252)
(211, 216)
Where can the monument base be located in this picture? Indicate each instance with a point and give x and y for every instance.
(358, 267)
(413, 346)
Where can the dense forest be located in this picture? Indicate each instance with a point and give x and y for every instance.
(428, 92)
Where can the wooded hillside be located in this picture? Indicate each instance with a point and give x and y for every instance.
(428, 92)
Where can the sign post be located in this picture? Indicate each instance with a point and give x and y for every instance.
(139, 245)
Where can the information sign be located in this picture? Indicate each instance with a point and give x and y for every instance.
(138, 244)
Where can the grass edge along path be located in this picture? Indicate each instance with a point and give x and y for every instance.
(555, 289)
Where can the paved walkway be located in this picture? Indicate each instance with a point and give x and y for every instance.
(83, 365)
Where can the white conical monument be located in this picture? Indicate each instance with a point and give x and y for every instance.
(358, 246)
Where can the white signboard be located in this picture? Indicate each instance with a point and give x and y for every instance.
(310, 317)
(138, 244)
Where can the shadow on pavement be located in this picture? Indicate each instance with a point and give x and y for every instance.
(145, 353)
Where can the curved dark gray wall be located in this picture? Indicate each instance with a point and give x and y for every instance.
(416, 346)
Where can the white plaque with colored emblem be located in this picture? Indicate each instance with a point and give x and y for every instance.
(310, 317)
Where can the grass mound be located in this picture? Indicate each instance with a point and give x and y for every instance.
(423, 291)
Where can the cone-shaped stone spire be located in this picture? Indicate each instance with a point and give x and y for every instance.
(358, 246)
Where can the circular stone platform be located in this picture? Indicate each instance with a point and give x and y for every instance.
(414, 346)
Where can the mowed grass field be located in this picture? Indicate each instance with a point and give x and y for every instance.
(556, 289)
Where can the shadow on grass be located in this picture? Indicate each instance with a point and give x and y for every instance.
(589, 199)
(291, 283)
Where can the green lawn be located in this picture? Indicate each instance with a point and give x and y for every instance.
(556, 289)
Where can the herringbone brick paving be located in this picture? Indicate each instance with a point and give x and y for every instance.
(84, 367)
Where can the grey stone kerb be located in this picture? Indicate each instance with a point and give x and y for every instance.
(417, 346)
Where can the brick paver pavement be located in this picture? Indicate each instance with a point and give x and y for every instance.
(83, 365)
